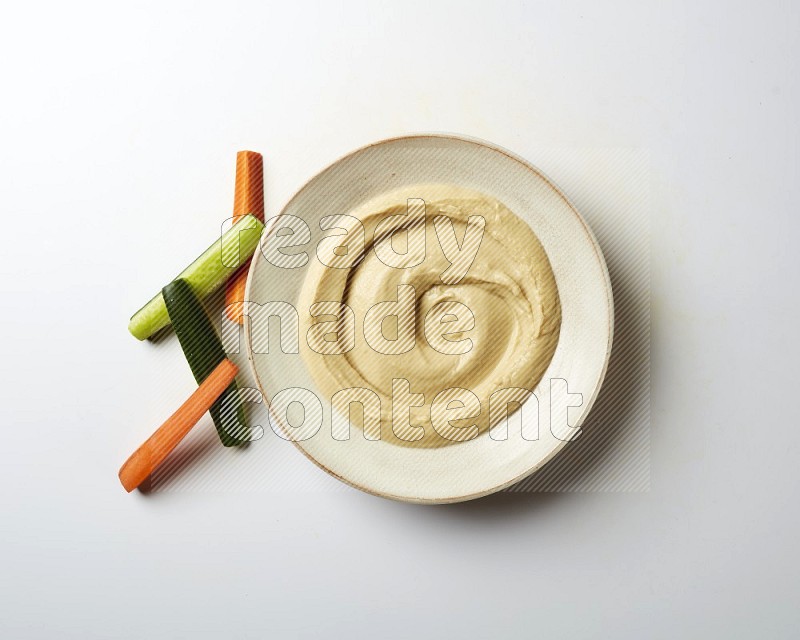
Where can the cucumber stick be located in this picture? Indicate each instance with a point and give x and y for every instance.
(203, 350)
(205, 274)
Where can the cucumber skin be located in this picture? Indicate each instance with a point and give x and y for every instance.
(204, 351)
(205, 274)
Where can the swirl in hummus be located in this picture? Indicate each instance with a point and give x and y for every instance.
(457, 300)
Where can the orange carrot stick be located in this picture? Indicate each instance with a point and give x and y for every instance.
(248, 198)
(158, 446)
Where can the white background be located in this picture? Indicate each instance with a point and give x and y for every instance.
(118, 129)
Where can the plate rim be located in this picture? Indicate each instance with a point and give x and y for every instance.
(598, 254)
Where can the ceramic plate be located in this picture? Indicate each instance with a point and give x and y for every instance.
(562, 398)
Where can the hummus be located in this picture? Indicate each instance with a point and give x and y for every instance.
(449, 298)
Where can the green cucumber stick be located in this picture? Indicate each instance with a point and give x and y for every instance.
(204, 351)
(214, 266)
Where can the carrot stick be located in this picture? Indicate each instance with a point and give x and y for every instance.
(158, 446)
(248, 198)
